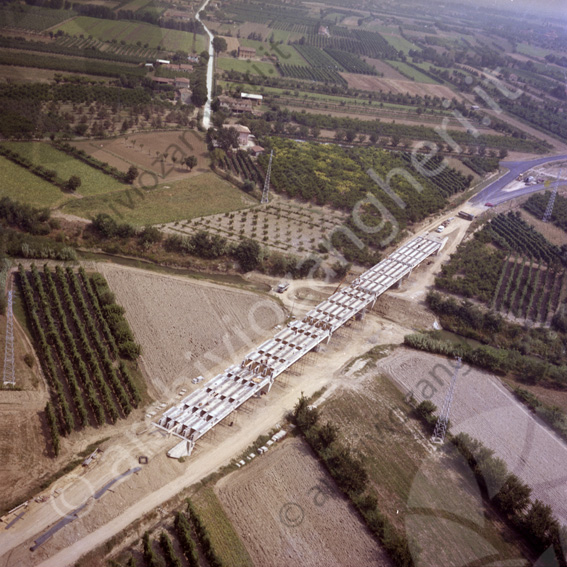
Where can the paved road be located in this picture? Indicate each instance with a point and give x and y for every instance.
(210, 65)
(494, 194)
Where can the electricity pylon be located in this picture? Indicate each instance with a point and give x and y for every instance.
(551, 202)
(443, 421)
(9, 376)
(267, 181)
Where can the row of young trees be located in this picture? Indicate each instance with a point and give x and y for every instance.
(349, 472)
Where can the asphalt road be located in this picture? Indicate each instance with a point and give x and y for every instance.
(494, 192)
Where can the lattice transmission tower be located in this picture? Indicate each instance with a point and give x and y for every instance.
(441, 425)
(9, 376)
(267, 181)
(551, 202)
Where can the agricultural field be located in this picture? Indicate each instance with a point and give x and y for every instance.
(529, 290)
(282, 225)
(132, 32)
(285, 53)
(22, 185)
(247, 66)
(32, 18)
(80, 337)
(411, 73)
(370, 83)
(93, 182)
(446, 523)
(185, 324)
(483, 408)
(147, 152)
(399, 43)
(186, 199)
(508, 265)
(273, 502)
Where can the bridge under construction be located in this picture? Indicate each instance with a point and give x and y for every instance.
(201, 410)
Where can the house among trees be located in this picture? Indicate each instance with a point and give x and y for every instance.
(246, 52)
(243, 134)
(324, 30)
(256, 99)
(235, 105)
(257, 150)
(182, 83)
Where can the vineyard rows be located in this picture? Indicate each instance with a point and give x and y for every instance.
(241, 164)
(529, 289)
(351, 63)
(311, 73)
(318, 58)
(134, 51)
(77, 349)
(537, 204)
(447, 180)
(360, 42)
(513, 233)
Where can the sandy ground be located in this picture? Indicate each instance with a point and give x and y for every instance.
(185, 325)
(483, 408)
(287, 511)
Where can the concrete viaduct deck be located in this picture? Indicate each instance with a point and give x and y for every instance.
(201, 410)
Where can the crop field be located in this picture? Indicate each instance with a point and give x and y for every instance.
(281, 225)
(148, 153)
(183, 324)
(274, 508)
(399, 43)
(446, 522)
(412, 73)
(79, 347)
(285, 53)
(369, 83)
(20, 184)
(189, 198)
(130, 32)
(93, 182)
(483, 408)
(529, 290)
(32, 17)
(532, 50)
(246, 66)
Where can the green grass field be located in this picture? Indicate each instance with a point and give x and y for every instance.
(19, 184)
(198, 196)
(93, 182)
(246, 65)
(411, 72)
(223, 536)
(532, 50)
(132, 32)
(285, 53)
(399, 43)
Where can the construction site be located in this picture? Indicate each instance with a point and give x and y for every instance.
(199, 412)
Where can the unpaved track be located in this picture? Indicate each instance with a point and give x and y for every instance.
(287, 511)
(484, 409)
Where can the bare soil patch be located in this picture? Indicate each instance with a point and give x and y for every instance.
(372, 83)
(184, 325)
(147, 152)
(231, 43)
(287, 511)
(486, 410)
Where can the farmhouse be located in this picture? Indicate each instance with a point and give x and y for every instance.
(257, 150)
(182, 83)
(235, 105)
(163, 81)
(243, 134)
(255, 98)
(163, 61)
(246, 52)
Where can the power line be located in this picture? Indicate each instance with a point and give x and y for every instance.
(551, 202)
(9, 376)
(441, 425)
(267, 181)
